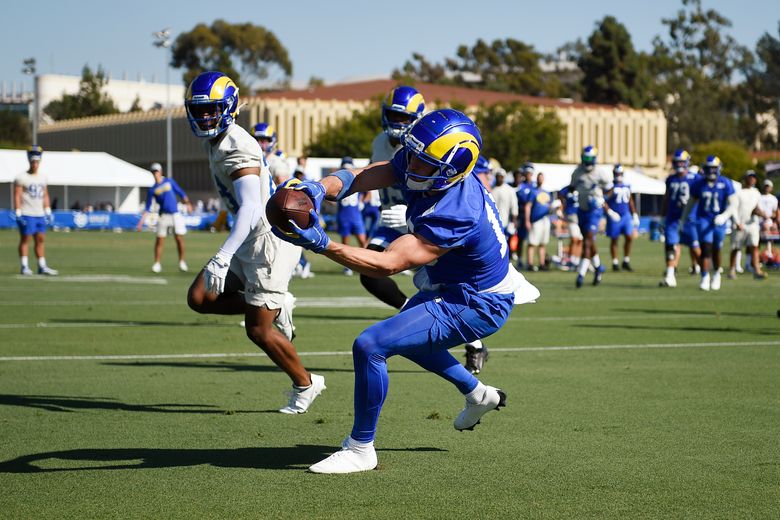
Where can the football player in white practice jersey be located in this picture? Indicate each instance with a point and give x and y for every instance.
(250, 273)
(276, 159)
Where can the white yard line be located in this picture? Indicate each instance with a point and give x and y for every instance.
(628, 346)
(97, 278)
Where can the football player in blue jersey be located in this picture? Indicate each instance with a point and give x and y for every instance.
(349, 219)
(622, 203)
(164, 192)
(466, 284)
(678, 193)
(523, 183)
(591, 185)
(537, 223)
(717, 201)
(571, 205)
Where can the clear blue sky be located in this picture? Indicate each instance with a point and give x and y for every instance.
(331, 40)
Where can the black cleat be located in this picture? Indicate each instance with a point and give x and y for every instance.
(615, 267)
(476, 358)
(627, 267)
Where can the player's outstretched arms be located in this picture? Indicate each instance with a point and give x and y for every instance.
(404, 253)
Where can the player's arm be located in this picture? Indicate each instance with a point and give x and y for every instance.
(372, 177)
(665, 203)
(18, 199)
(527, 215)
(147, 207)
(689, 207)
(404, 253)
(182, 195)
(47, 205)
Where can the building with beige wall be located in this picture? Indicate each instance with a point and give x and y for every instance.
(636, 138)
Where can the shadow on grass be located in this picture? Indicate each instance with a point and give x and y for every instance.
(692, 312)
(56, 403)
(294, 457)
(339, 317)
(666, 327)
(236, 367)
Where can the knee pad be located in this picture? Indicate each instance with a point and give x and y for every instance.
(670, 253)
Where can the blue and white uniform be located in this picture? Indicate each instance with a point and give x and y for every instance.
(713, 200)
(571, 208)
(540, 201)
(464, 295)
(590, 187)
(349, 219)
(618, 202)
(382, 149)
(523, 197)
(33, 219)
(678, 193)
(165, 193)
(371, 212)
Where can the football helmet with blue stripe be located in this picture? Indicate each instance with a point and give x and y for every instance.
(402, 107)
(211, 102)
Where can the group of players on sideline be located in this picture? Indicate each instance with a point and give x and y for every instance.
(453, 228)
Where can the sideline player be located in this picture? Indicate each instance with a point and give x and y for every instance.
(591, 186)
(571, 205)
(266, 137)
(717, 200)
(250, 273)
(746, 232)
(33, 212)
(622, 203)
(349, 218)
(524, 185)
(466, 286)
(164, 192)
(677, 195)
(537, 223)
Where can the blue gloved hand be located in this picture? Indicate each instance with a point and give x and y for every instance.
(313, 189)
(312, 238)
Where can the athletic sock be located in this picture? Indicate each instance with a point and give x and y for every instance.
(626, 260)
(738, 259)
(615, 261)
(25, 261)
(477, 394)
(583, 268)
(476, 344)
(670, 272)
(42, 262)
(596, 261)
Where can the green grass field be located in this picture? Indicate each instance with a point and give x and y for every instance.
(624, 401)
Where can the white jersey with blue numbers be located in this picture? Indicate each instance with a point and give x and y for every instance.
(590, 187)
(383, 150)
(33, 190)
(464, 219)
(233, 150)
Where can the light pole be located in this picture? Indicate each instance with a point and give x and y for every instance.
(162, 39)
(29, 69)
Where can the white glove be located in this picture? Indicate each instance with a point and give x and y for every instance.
(720, 219)
(613, 215)
(394, 217)
(216, 271)
(511, 229)
(635, 219)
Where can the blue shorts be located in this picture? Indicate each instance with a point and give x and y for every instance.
(589, 220)
(350, 224)
(709, 233)
(384, 236)
(32, 225)
(672, 232)
(690, 234)
(624, 227)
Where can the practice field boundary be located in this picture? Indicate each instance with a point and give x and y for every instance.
(552, 348)
(96, 278)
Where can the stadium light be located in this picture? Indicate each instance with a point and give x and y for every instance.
(29, 70)
(162, 40)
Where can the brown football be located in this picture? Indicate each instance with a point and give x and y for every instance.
(286, 205)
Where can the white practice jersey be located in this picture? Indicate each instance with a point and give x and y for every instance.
(768, 204)
(383, 150)
(33, 190)
(236, 149)
(278, 167)
(505, 198)
(590, 187)
(747, 200)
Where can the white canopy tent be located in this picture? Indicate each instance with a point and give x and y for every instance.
(83, 177)
(557, 176)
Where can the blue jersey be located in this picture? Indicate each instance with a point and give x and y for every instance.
(165, 194)
(572, 200)
(540, 203)
(465, 219)
(524, 194)
(619, 200)
(713, 198)
(678, 192)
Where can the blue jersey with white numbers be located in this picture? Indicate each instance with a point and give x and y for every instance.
(572, 200)
(678, 191)
(540, 203)
(713, 198)
(464, 219)
(618, 201)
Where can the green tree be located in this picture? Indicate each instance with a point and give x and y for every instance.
(351, 136)
(735, 157)
(14, 129)
(90, 100)
(136, 106)
(613, 72)
(693, 69)
(762, 87)
(513, 133)
(246, 52)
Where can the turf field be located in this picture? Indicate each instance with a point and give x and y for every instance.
(624, 401)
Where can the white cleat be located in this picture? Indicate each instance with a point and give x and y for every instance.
(26, 271)
(353, 458)
(669, 281)
(284, 320)
(473, 412)
(48, 271)
(183, 266)
(705, 283)
(300, 400)
(715, 283)
(156, 267)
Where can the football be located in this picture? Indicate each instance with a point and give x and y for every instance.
(286, 205)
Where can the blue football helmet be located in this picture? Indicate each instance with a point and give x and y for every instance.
(447, 140)
(265, 132)
(347, 162)
(402, 107)
(681, 160)
(34, 153)
(617, 172)
(212, 104)
(528, 169)
(712, 167)
(482, 165)
(588, 157)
